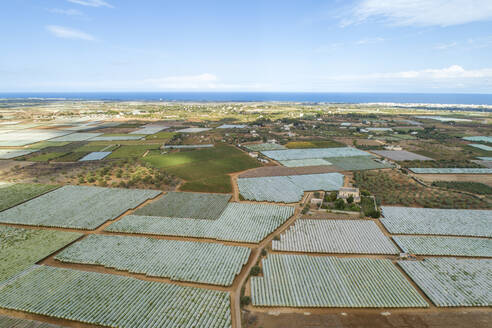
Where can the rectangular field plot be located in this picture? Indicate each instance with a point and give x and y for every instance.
(239, 222)
(284, 155)
(8, 322)
(26, 137)
(13, 153)
(117, 137)
(150, 129)
(456, 246)
(430, 221)
(205, 263)
(77, 207)
(357, 163)
(451, 282)
(17, 193)
(309, 281)
(450, 170)
(480, 146)
(193, 130)
(265, 146)
(79, 136)
(305, 162)
(232, 126)
(479, 139)
(21, 248)
(401, 155)
(114, 301)
(287, 189)
(335, 236)
(187, 205)
(95, 156)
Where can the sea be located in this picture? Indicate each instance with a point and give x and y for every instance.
(305, 97)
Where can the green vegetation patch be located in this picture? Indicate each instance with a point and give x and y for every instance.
(314, 144)
(392, 188)
(161, 135)
(356, 163)
(134, 151)
(473, 187)
(204, 170)
(46, 157)
(71, 157)
(21, 248)
(187, 205)
(46, 144)
(18, 193)
(442, 163)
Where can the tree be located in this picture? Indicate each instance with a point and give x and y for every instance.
(340, 204)
(256, 270)
(350, 199)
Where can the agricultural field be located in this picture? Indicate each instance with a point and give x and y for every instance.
(20, 138)
(357, 163)
(450, 170)
(427, 221)
(95, 156)
(443, 163)
(289, 154)
(204, 170)
(451, 282)
(15, 194)
(335, 236)
(397, 189)
(401, 155)
(13, 153)
(206, 263)
(278, 171)
(264, 147)
(46, 157)
(24, 323)
(78, 136)
(150, 129)
(232, 126)
(479, 139)
(187, 205)
(76, 207)
(473, 187)
(113, 301)
(287, 189)
(193, 130)
(482, 147)
(309, 281)
(305, 162)
(448, 246)
(21, 248)
(313, 144)
(240, 222)
(117, 137)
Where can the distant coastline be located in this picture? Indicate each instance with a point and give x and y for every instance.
(304, 97)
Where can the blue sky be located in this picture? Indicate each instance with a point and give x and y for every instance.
(264, 45)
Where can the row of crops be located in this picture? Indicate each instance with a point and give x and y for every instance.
(428, 221)
(449, 170)
(357, 163)
(21, 248)
(335, 236)
(206, 263)
(15, 194)
(482, 147)
(309, 281)
(187, 205)
(479, 139)
(455, 246)
(288, 154)
(239, 222)
(8, 322)
(114, 301)
(77, 207)
(287, 189)
(451, 282)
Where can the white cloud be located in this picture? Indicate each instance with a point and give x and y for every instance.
(92, 3)
(68, 12)
(452, 72)
(369, 41)
(421, 12)
(69, 33)
(445, 46)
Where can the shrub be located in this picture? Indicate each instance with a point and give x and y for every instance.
(245, 300)
(256, 270)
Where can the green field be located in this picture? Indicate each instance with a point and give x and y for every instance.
(356, 163)
(127, 151)
(46, 157)
(314, 144)
(473, 187)
(21, 248)
(204, 169)
(18, 193)
(70, 157)
(163, 135)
